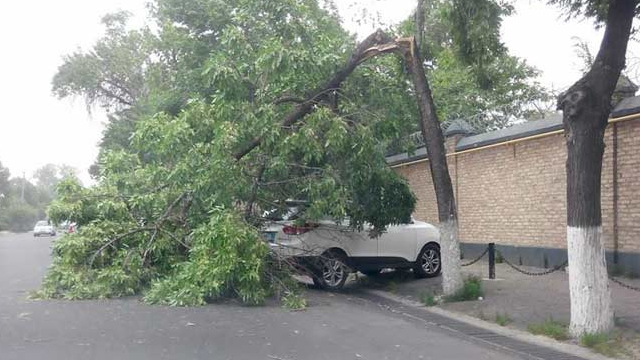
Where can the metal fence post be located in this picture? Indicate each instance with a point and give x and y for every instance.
(492, 260)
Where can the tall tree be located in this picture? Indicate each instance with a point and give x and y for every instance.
(434, 142)
(475, 32)
(586, 106)
(47, 178)
(4, 179)
(471, 73)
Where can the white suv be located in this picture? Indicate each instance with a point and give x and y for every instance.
(331, 250)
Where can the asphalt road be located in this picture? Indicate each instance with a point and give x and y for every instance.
(333, 327)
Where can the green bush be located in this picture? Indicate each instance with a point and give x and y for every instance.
(550, 328)
(294, 301)
(19, 217)
(606, 344)
(227, 259)
(592, 340)
(428, 299)
(471, 290)
(503, 319)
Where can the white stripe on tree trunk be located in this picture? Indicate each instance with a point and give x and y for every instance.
(450, 255)
(591, 309)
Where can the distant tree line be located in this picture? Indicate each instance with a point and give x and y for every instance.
(23, 202)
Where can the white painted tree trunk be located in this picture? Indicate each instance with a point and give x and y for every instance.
(452, 280)
(591, 309)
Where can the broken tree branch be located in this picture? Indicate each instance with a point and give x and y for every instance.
(365, 50)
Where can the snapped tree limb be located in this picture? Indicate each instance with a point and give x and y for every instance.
(365, 50)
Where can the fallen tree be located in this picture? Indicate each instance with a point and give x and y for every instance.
(191, 166)
(165, 217)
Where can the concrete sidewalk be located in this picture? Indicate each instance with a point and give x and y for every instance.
(525, 299)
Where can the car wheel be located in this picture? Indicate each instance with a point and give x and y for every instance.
(429, 262)
(34, 235)
(332, 272)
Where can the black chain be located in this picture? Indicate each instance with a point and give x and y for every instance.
(623, 284)
(556, 268)
(476, 259)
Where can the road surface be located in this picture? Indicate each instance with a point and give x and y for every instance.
(335, 326)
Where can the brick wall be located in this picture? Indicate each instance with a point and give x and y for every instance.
(514, 194)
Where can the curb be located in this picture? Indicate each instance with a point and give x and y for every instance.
(513, 340)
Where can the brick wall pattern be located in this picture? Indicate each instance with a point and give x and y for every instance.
(514, 194)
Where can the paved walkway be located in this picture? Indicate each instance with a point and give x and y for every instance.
(526, 299)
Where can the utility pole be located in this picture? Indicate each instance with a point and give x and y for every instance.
(24, 179)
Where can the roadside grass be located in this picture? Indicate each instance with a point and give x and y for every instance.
(503, 319)
(471, 290)
(619, 343)
(631, 274)
(391, 286)
(428, 299)
(294, 301)
(550, 328)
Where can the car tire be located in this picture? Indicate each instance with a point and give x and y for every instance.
(332, 271)
(429, 263)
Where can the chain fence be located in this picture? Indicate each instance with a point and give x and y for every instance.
(486, 250)
(627, 286)
(541, 273)
(531, 273)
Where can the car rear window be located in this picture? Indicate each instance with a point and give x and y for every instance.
(288, 214)
(42, 223)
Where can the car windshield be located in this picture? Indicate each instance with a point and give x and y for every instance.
(42, 223)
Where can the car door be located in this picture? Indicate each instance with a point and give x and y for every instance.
(355, 243)
(398, 241)
(362, 245)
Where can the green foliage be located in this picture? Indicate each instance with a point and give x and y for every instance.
(19, 217)
(22, 203)
(428, 299)
(294, 301)
(596, 9)
(226, 258)
(471, 290)
(611, 344)
(191, 95)
(70, 277)
(112, 74)
(591, 340)
(550, 328)
(503, 319)
(471, 73)
(475, 30)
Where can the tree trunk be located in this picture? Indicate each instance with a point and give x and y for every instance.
(434, 142)
(586, 107)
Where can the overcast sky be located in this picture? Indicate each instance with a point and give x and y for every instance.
(36, 128)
